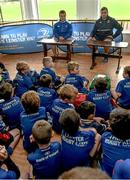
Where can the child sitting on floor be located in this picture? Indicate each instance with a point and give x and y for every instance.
(75, 79)
(46, 160)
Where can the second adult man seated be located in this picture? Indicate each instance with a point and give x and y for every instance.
(103, 29)
(62, 30)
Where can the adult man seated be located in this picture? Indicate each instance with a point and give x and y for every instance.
(103, 29)
(62, 30)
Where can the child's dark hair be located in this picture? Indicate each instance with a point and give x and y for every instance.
(104, 9)
(70, 121)
(62, 12)
(31, 102)
(42, 132)
(2, 66)
(68, 91)
(127, 70)
(45, 80)
(120, 123)
(85, 109)
(100, 85)
(6, 91)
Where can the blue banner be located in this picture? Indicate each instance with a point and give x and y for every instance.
(23, 38)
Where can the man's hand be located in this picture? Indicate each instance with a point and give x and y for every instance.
(61, 38)
(3, 153)
(91, 39)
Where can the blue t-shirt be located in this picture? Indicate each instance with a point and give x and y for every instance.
(123, 87)
(121, 170)
(5, 75)
(113, 149)
(46, 162)
(76, 149)
(63, 29)
(12, 109)
(23, 83)
(27, 122)
(52, 73)
(57, 108)
(77, 81)
(102, 102)
(47, 96)
(7, 174)
(34, 77)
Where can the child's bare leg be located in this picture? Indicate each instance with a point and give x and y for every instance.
(16, 134)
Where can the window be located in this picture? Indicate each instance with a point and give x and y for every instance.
(118, 9)
(11, 10)
(49, 9)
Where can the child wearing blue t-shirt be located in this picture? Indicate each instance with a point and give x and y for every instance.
(46, 160)
(121, 169)
(116, 142)
(4, 72)
(46, 93)
(66, 98)
(11, 107)
(48, 69)
(86, 111)
(77, 144)
(73, 78)
(12, 171)
(102, 98)
(32, 113)
(22, 81)
(123, 89)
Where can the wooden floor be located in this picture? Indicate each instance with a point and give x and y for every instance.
(35, 62)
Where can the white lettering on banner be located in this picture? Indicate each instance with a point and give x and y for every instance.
(80, 36)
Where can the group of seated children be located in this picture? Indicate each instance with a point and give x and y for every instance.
(33, 105)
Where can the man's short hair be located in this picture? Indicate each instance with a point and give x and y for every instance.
(70, 121)
(72, 65)
(42, 132)
(30, 101)
(100, 85)
(120, 123)
(127, 70)
(45, 80)
(104, 9)
(62, 12)
(84, 173)
(85, 109)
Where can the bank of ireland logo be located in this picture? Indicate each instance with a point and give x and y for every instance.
(43, 33)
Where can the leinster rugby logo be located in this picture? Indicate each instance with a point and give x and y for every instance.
(43, 33)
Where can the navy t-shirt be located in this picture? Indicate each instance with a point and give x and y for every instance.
(77, 81)
(57, 108)
(47, 96)
(76, 149)
(7, 174)
(102, 102)
(27, 122)
(5, 75)
(51, 72)
(23, 83)
(123, 87)
(46, 162)
(12, 109)
(113, 149)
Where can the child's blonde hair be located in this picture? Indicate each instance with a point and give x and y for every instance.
(46, 60)
(20, 66)
(68, 91)
(72, 65)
